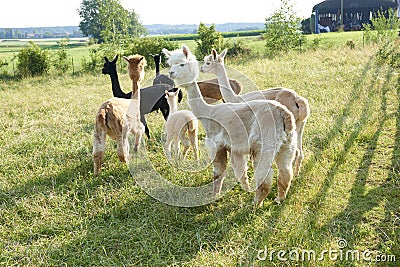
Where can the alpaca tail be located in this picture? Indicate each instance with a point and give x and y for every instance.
(192, 124)
(288, 119)
(304, 108)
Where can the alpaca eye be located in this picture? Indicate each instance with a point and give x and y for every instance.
(182, 65)
(208, 63)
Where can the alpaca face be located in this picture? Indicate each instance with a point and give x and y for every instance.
(211, 61)
(136, 66)
(184, 66)
(109, 67)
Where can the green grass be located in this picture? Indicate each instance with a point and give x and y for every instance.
(54, 212)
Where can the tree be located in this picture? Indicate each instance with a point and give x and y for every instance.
(208, 38)
(108, 21)
(282, 29)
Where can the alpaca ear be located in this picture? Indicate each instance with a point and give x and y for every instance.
(166, 52)
(126, 58)
(186, 51)
(115, 59)
(214, 54)
(106, 59)
(223, 54)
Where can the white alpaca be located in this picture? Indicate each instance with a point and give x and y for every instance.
(296, 104)
(180, 123)
(263, 129)
(117, 117)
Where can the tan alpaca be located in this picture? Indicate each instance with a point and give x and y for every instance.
(262, 128)
(180, 123)
(298, 105)
(117, 117)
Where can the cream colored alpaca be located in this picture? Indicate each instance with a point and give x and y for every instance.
(296, 104)
(180, 123)
(263, 129)
(117, 117)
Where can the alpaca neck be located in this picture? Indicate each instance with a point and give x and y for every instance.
(173, 106)
(157, 68)
(136, 90)
(116, 88)
(225, 87)
(196, 102)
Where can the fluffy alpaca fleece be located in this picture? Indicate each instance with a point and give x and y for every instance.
(210, 89)
(181, 125)
(118, 117)
(296, 104)
(262, 128)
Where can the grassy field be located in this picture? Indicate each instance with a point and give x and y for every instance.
(54, 212)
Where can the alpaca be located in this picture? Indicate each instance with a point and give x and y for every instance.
(264, 129)
(151, 98)
(160, 78)
(117, 117)
(178, 124)
(296, 104)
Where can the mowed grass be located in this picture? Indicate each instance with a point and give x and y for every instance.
(54, 212)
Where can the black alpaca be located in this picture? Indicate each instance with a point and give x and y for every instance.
(151, 98)
(161, 78)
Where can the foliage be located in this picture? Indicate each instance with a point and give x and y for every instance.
(108, 21)
(95, 60)
(33, 61)
(208, 38)
(61, 61)
(385, 24)
(282, 30)
(149, 45)
(237, 48)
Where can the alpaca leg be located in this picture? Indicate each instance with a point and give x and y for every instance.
(263, 174)
(284, 160)
(177, 145)
(239, 166)
(195, 143)
(146, 129)
(122, 150)
(99, 147)
(168, 144)
(138, 138)
(219, 168)
(299, 155)
(185, 142)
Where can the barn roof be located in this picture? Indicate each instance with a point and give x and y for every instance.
(332, 6)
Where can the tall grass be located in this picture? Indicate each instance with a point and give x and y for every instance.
(54, 212)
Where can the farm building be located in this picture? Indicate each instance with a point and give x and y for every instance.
(355, 13)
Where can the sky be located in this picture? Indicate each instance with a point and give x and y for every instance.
(48, 13)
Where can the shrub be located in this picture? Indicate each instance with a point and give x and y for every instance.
(32, 61)
(237, 48)
(95, 60)
(208, 38)
(61, 60)
(282, 30)
(149, 45)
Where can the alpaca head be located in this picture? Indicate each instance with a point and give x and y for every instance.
(183, 65)
(110, 67)
(211, 61)
(136, 64)
(157, 58)
(172, 98)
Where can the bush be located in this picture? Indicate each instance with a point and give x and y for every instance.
(61, 60)
(149, 45)
(237, 48)
(282, 30)
(208, 38)
(95, 60)
(32, 61)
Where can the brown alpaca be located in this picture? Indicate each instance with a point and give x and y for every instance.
(117, 117)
